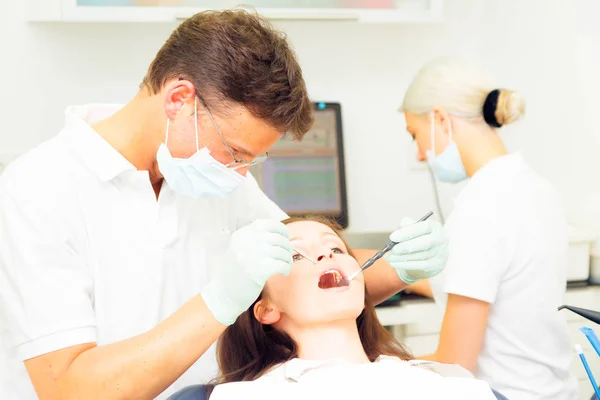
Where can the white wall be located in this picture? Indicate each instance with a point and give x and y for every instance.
(530, 45)
(554, 63)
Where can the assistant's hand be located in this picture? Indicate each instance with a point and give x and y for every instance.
(421, 252)
(256, 252)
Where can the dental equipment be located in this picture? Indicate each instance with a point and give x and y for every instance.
(579, 351)
(304, 255)
(592, 338)
(593, 316)
(377, 256)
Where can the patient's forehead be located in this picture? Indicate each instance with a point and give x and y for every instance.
(308, 230)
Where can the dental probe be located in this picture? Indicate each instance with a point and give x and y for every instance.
(377, 256)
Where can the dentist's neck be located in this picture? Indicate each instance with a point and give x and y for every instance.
(478, 144)
(336, 340)
(134, 130)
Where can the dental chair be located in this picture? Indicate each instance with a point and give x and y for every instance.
(499, 396)
(198, 392)
(194, 392)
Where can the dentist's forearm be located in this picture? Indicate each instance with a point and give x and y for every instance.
(137, 368)
(381, 279)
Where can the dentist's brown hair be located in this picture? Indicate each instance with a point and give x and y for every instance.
(239, 57)
(248, 349)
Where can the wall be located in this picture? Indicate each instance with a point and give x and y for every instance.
(530, 45)
(552, 55)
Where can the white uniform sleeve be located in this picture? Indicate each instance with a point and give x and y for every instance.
(256, 205)
(478, 258)
(45, 286)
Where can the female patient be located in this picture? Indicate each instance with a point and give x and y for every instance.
(306, 337)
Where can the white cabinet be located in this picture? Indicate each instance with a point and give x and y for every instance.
(390, 11)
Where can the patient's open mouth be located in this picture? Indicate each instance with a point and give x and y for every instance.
(330, 279)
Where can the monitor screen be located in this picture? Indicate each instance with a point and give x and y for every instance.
(308, 177)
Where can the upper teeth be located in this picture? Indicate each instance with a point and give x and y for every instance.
(338, 276)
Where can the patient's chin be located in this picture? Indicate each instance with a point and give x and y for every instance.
(324, 314)
(347, 315)
(349, 310)
(306, 304)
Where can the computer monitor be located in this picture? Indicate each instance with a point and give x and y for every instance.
(308, 177)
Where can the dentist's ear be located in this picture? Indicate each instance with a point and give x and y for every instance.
(177, 93)
(442, 119)
(266, 313)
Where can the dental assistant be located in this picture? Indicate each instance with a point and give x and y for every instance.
(506, 271)
(121, 256)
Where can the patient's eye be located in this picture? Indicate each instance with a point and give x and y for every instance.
(337, 250)
(296, 257)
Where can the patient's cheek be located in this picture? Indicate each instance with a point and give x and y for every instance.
(276, 283)
(275, 289)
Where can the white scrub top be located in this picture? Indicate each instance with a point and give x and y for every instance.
(387, 378)
(508, 247)
(88, 254)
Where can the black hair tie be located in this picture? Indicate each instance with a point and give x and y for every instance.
(489, 108)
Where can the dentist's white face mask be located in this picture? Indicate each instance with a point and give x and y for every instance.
(200, 176)
(447, 166)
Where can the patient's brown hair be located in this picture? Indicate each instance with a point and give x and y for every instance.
(248, 349)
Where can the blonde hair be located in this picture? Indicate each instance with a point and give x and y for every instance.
(461, 88)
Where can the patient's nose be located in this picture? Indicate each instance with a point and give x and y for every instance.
(328, 254)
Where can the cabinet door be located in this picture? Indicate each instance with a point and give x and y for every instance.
(268, 4)
(422, 345)
(171, 10)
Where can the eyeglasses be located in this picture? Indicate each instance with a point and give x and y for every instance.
(236, 163)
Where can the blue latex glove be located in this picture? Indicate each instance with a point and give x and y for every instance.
(421, 252)
(256, 252)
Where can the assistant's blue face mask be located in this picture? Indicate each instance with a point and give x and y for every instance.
(447, 166)
(200, 176)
